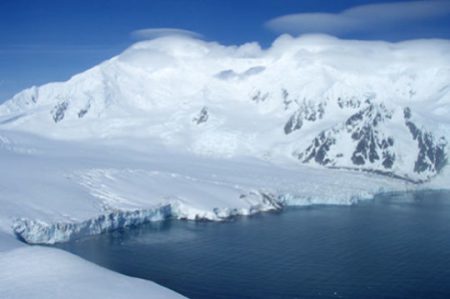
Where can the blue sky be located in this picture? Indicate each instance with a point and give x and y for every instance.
(44, 40)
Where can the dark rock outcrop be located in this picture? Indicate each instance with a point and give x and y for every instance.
(432, 156)
(319, 149)
(294, 123)
(83, 111)
(202, 116)
(259, 96)
(306, 112)
(372, 149)
(371, 144)
(59, 110)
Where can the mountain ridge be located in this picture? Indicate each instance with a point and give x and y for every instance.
(372, 106)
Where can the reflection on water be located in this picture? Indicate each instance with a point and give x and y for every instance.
(397, 246)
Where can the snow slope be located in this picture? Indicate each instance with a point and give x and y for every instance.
(315, 99)
(42, 272)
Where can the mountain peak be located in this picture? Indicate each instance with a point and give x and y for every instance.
(315, 99)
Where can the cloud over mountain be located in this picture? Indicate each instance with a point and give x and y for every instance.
(151, 33)
(364, 19)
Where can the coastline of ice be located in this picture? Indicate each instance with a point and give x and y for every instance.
(40, 232)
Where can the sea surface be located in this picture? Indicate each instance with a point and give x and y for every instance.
(396, 246)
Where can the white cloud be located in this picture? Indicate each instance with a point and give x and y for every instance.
(151, 33)
(362, 19)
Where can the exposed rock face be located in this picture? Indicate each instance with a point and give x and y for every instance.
(432, 157)
(202, 116)
(83, 111)
(318, 151)
(294, 123)
(368, 144)
(371, 144)
(370, 147)
(285, 96)
(348, 103)
(59, 111)
(258, 96)
(306, 112)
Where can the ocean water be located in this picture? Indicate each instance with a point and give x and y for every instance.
(396, 246)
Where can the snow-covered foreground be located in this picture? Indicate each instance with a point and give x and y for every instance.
(40, 272)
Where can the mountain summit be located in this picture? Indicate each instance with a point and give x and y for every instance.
(372, 106)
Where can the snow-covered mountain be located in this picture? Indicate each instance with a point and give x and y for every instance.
(373, 106)
(186, 129)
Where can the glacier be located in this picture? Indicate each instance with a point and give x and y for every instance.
(76, 189)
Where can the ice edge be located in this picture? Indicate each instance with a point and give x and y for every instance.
(39, 232)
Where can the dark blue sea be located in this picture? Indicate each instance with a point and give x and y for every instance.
(396, 246)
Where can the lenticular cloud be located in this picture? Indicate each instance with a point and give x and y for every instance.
(152, 33)
(368, 19)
